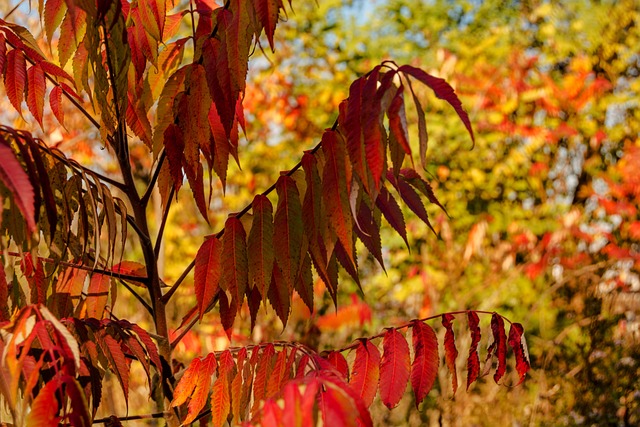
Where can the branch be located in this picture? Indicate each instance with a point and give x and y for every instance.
(113, 418)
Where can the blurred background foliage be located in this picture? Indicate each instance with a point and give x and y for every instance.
(541, 222)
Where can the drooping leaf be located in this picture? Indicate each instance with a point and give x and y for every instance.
(263, 371)
(334, 182)
(35, 91)
(473, 362)
(395, 367)
(220, 402)
(55, 102)
(267, 12)
(371, 133)
(519, 346)
(54, 11)
(15, 78)
(234, 277)
(277, 375)
(97, 295)
(424, 368)
(44, 409)
(352, 122)
(339, 362)
(288, 240)
(410, 197)
(203, 384)
(366, 371)
(280, 295)
(443, 90)
(450, 350)
(207, 273)
(304, 283)
(260, 247)
(17, 181)
(500, 340)
(392, 213)
(116, 359)
(187, 383)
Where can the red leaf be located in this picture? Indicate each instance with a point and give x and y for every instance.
(4, 297)
(394, 368)
(339, 362)
(288, 241)
(174, 148)
(450, 350)
(277, 375)
(207, 272)
(519, 346)
(304, 283)
(425, 363)
(334, 182)
(3, 53)
(35, 278)
(151, 347)
(17, 181)
(353, 126)
(473, 362)
(238, 39)
(15, 78)
(234, 259)
(216, 64)
(35, 92)
(55, 102)
(203, 384)
(137, 120)
(267, 11)
(410, 197)
(260, 247)
(372, 136)
(280, 295)
(443, 90)
(98, 295)
(130, 268)
(398, 121)
(369, 231)
(392, 213)
(500, 340)
(221, 147)
(359, 408)
(336, 408)
(116, 359)
(228, 311)
(366, 371)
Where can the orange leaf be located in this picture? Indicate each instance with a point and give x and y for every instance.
(187, 383)
(220, 402)
(425, 363)
(44, 409)
(55, 102)
(98, 295)
(203, 384)
(394, 368)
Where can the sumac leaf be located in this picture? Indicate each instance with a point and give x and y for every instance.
(15, 78)
(260, 248)
(450, 350)
(207, 272)
(234, 259)
(35, 92)
(500, 339)
(289, 238)
(519, 346)
(17, 181)
(394, 368)
(424, 368)
(473, 362)
(366, 371)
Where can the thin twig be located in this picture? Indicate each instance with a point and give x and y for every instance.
(137, 295)
(129, 277)
(154, 178)
(131, 417)
(163, 223)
